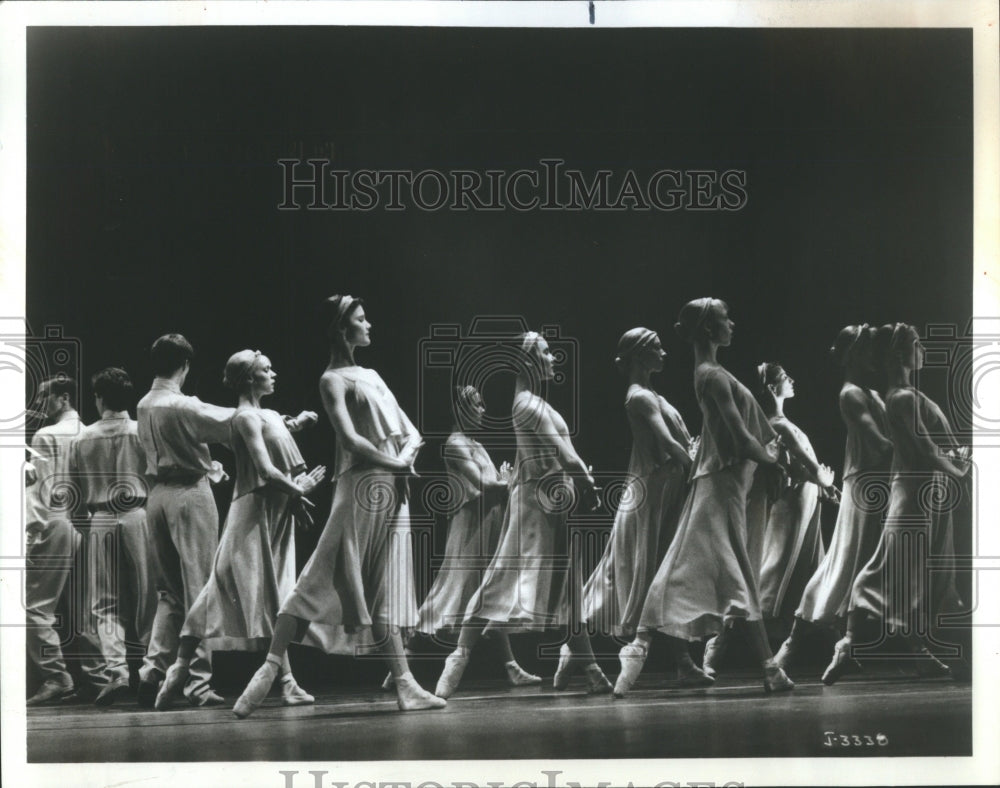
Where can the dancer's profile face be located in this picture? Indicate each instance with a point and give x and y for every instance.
(474, 410)
(912, 350)
(653, 354)
(546, 360)
(262, 376)
(783, 385)
(358, 329)
(720, 325)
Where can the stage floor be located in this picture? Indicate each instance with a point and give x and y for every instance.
(898, 715)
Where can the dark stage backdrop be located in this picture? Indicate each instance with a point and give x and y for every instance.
(153, 187)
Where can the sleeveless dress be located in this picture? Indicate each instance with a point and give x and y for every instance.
(706, 577)
(362, 568)
(533, 582)
(856, 533)
(473, 536)
(644, 524)
(254, 566)
(792, 545)
(897, 585)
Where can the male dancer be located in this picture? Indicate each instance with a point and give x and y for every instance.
(52, 544)
(109, 465)
(183, 520)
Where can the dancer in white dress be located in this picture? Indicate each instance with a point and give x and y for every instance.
(867, 455)
(654, 494)
(534, 581)
(359, 579)
(473, 533)
(897, 587)
(254, 567)
(706, 580)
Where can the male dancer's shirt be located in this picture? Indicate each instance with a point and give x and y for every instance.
(174, 430)
(47, 496)
(109, 465)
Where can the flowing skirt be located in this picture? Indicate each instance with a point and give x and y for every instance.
(361, 571)
(910, 579)
(827, 596)
(643, 529)
(791, 550)
(706, 577)
(535, 580)
(473, 536)
(253, 571)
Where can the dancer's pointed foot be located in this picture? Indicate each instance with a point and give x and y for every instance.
(842, 663)
(451, 676)
(930, 667)
(597, 682)
(410, 696)
(565, 668)
(690, 675)
(775, 679)
(784, 656)
(256, 690)
(172, 688)
(632, 657)
(518, 676)
(715, 648)
(292, 694)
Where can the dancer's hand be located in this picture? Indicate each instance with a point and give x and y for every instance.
(830, 494)
(308, 481)
(218, 473)
(824, 476)
(693, 445)
(506, 472)
(305, 419)
(302, 510)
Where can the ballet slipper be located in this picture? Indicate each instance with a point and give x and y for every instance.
(172, 688)
(518, 676)
(597, 682)
(690, 675)
(775, 679)
(785, 653)
(565, 668)
(929, 666)
(842, 663)
(256, 690)
(292, 694)
(454, 667)
(715, 648)
(388, 683)
(410, 696)
(632, 657)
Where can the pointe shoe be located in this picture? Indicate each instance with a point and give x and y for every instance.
(388, 683)
(715, 648)
(256, 690)
(690, 675)
(842, 663)
(775, 680)
(207, 700)
(632, 657)
(518, 676)
(172, 688)
(597, 682)
(112, 693)
(410, 696)
(565, 668)
(929, 666)
(451, 676)
(784, 656)
(292, 694)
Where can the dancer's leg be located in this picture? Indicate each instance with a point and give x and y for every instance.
(775, 679)
(286, 628)
(410, 696)
(842, 662)
(454, 665)
(516, 675)
(632, 657)
(578, 651)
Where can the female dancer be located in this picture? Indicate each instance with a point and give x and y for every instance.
(895, 586)
(360, 575)
(652, 501)
(473, 534)
(525, 586)
(866, 458)
(254, 568)
(706, 578)
(792, 546)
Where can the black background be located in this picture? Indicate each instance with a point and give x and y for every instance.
(153, 188)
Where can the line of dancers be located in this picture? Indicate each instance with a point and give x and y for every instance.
(712, 532)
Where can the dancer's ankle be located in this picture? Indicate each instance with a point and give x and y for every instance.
(274, 659)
